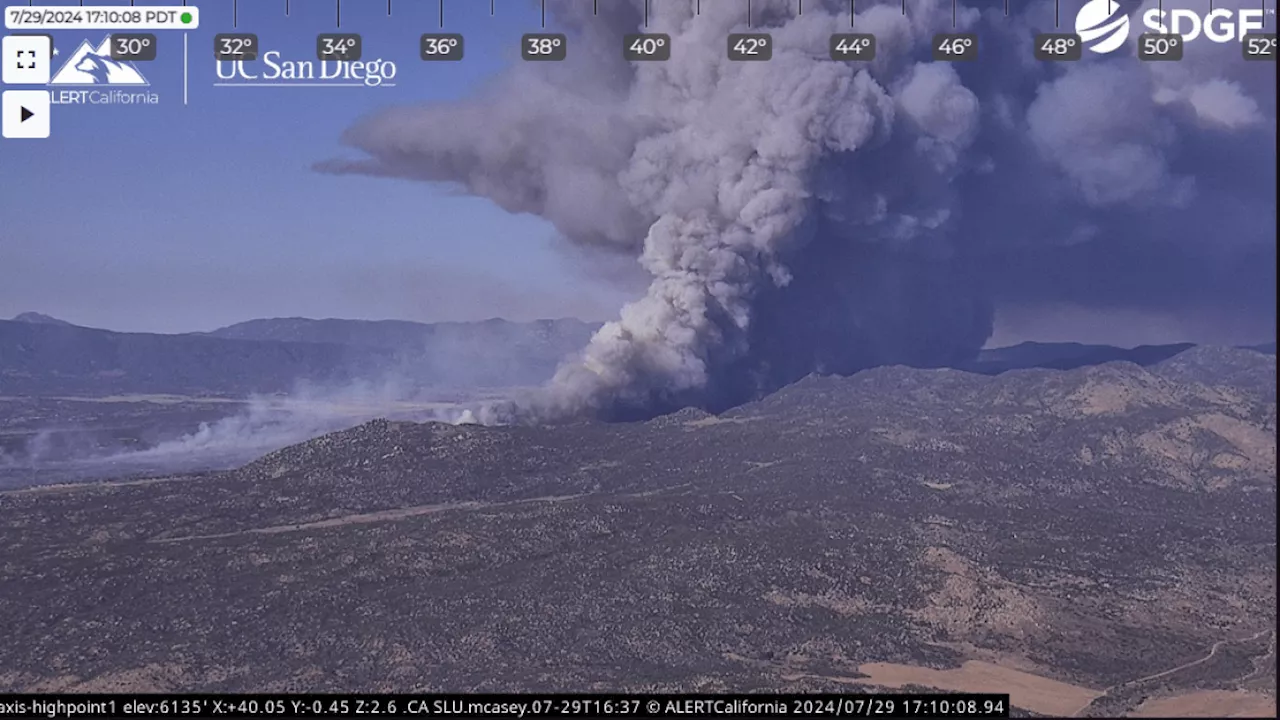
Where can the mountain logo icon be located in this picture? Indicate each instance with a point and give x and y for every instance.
(90, 65)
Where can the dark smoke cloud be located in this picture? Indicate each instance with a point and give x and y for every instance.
(802, 215)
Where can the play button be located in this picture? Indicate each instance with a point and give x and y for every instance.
(25, 114)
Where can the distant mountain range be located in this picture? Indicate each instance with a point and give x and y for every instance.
(42, 355)
(397, 334)
(1067, 356)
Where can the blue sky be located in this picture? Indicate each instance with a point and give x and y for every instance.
(172, 218)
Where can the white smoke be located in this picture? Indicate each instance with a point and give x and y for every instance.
(267, 423)
(262, 424)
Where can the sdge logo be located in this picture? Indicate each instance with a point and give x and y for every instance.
(1220, 25)
(1103, 25)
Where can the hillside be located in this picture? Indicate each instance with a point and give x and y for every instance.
(1096, 541)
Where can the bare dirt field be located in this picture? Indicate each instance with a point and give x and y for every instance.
(1209, 703)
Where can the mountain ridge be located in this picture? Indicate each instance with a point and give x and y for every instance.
(41, 355)
(301, 329)
(38, 318)
(43, 358)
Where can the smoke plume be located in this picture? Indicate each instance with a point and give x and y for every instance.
(261, 424)
(803, 215)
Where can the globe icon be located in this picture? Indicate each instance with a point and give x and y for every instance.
(1102, 25)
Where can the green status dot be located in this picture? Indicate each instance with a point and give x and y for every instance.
(186, 18)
